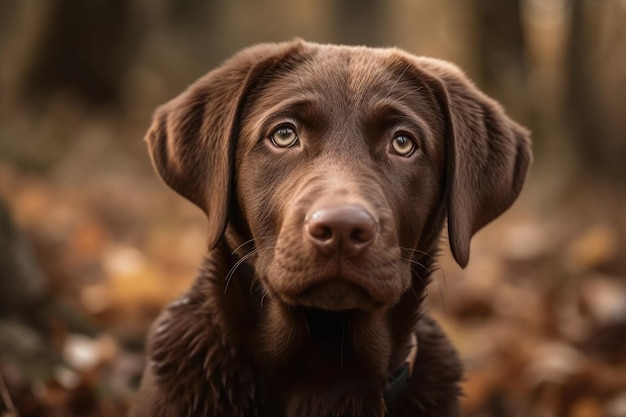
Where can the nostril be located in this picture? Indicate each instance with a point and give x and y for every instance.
(319, 231)
(362, 235)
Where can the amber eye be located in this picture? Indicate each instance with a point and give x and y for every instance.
(403, 145)
(284, 137)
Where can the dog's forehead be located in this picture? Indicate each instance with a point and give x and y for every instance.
(349, 80)
(350, 71)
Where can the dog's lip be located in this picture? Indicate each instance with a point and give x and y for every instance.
(335, 294)
(377, 285)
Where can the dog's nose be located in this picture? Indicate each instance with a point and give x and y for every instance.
(346, 229)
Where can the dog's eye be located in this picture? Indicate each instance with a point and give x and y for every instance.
(284, 137)
(403, 145)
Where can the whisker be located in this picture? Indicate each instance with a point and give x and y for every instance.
(248, 241)
(306, 325)
(396, 81)
(238, 263)
(343, 336)
(235, 266)
(415, 90)
(413, 261)
(435, 261)
(241, 246)
(418, 251)
(424, 283)
(442, 299)
(417, 273)
(416, 295)
(430, 271)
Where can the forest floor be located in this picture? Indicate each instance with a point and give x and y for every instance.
(539, 316)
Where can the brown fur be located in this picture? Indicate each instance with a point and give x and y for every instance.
(275, 325)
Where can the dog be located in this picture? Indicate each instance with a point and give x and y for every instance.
(327, 174)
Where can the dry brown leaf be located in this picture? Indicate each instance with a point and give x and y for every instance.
(554, 363)
(604, 299)
(616, 407)
(586, 407)
(597, 245)
(526, 241)
(87, 240)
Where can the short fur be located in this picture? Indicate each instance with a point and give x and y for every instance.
(274, 325)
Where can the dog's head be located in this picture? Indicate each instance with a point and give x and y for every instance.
(340, 163)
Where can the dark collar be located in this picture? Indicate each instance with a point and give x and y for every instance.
(398, 382)
(396, 386)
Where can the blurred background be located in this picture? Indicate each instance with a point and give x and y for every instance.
(92, 244)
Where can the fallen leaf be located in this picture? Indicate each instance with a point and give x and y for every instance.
(597, 245)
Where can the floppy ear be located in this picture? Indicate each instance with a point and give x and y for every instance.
(192, 138)
(487, 156)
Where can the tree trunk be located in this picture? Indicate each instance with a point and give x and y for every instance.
(595, 112)
(85, 50)
(361, 22)
(502, 54)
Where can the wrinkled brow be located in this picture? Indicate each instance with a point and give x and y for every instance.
(393, 111)
(305, 109)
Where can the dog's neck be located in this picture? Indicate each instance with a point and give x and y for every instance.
(318, 363)
(313, 362)
(269, 361)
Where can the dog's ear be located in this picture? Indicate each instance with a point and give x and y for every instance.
(192, 138)
(487, 154)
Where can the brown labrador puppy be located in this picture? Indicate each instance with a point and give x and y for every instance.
(326, 173)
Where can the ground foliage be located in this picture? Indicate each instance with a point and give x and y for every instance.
(539, 316)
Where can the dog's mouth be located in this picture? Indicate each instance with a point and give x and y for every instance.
(335, 295)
